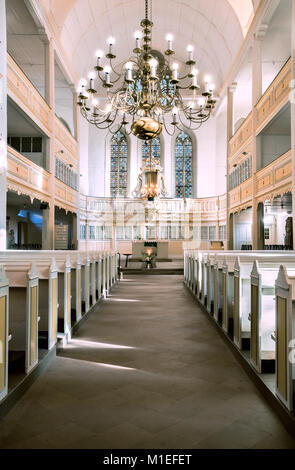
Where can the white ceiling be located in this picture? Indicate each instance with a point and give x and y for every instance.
(215, 27)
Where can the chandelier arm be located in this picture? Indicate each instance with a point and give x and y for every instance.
(196, 128)
(166, 129)
(102, 128)
(99, 76)
(183, 87)
(144, 91)
(180, 118)
(201, 120)
(113, 69)
(184, 77)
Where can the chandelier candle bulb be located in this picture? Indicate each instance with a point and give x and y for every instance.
(195, 81)
(111, 42)
(107, 71)
(211, 88)
(169, 38)
(190, 50)
(91, 77)
(129, 77)
(99, 55)
(175, 72)
(137, 35)
(153, 66)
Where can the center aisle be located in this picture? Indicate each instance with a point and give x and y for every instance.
(146, 370)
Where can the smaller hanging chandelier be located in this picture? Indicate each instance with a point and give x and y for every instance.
(147, 93)
(150, 182)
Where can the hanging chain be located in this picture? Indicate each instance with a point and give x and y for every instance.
(148, 10)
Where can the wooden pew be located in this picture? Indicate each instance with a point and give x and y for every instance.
(55, 294)
(85, 282)
(262, 317)
(285, 337)
(198, 274)
(210, 262)
(217, 288)
(95, 277)
(23, 314)
(227, 297)
(114, 267)
(76, 282)
(4, 332)
(48, 303)
(92, 287)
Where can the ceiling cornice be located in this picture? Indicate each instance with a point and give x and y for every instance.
(264, 13)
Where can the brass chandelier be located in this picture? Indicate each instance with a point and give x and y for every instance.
(144, 95)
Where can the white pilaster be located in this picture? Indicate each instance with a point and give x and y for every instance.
(257, 242)
(3, 125)
(230, 132)
(48, 240)
(292, 101)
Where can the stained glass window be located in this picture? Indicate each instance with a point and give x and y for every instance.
(156, 151)
(119, 165)
(183, 166)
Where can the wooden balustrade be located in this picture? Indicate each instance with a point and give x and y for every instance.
(65, 197)
(105, 209)
(241, 137)
(66, 142)
(241, 196)
(275, 97)
(25, 95)
(25, 177)
(275, 178)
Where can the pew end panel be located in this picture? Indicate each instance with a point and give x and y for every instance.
(48, 284)
(285, 338)
(262, 352)
(4, 332)
(217, 290)
(23, 315)
(242, 329)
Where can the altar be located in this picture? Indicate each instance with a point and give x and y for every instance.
(158, 248)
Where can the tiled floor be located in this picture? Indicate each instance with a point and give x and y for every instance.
(147, 370)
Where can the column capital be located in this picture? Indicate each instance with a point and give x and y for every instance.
(261, 31)
(233, 86)
(43, 36)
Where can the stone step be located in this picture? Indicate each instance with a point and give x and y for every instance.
(154, 271)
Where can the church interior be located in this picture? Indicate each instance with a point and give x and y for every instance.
(147, 262)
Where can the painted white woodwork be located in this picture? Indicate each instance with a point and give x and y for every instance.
(3, 124)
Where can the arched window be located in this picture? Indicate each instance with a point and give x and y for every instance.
(183, 166)
(156, 151)
(119, 165)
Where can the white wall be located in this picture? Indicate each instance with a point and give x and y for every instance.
(209, 148)
(242, 229)
(272, 147)
(83, 155)
(221, 151)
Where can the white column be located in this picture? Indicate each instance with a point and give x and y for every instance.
(3, 125)
(256, 95)
(48, 240)
(292, 100)
(230, 132)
